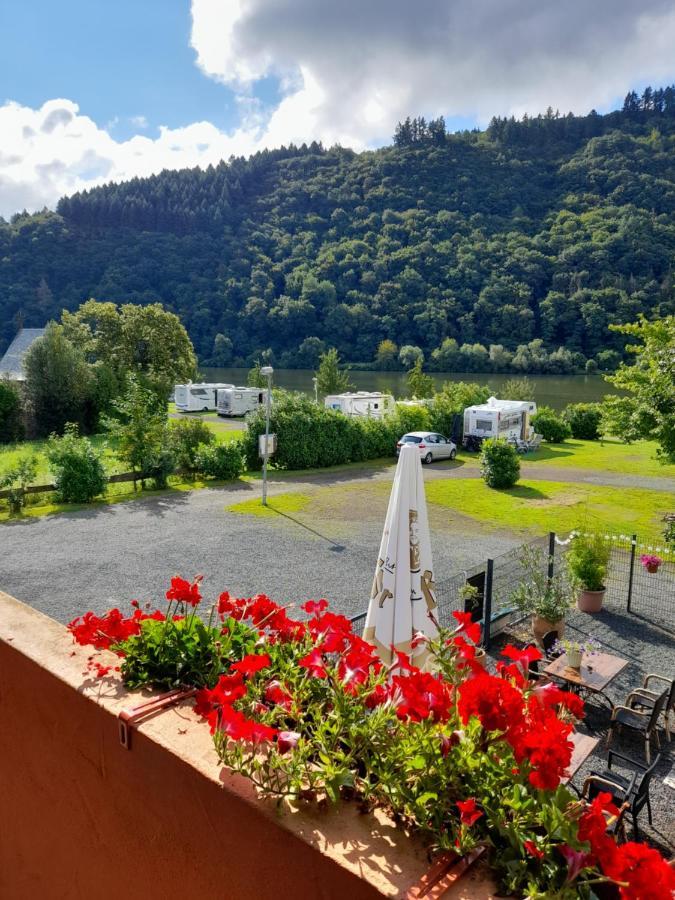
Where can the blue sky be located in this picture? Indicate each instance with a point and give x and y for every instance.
(118, 59)
(112, 89)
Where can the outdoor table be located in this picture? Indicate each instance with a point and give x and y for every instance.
(584, 745)
(596, 672)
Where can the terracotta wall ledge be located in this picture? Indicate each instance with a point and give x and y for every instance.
(82, 817)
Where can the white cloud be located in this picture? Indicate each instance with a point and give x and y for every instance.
(361, 65)
(55, 150)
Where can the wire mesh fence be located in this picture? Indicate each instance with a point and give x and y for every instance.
(486, 589)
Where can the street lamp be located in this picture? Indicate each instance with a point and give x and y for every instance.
(267, 371)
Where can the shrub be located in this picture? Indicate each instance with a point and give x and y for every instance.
(550, 425)
(451, 401)
(222, 461)
(77, 466)
(584, 420)
(186, 436)
(518, 389)
(587, 560)
(499, 464)
(11, 414)
(16, 480)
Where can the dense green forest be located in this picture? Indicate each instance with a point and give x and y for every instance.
(488, 250)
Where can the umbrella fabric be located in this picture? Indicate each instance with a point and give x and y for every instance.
(402, 592)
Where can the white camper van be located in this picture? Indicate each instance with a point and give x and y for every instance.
(508, 419)
(237, 401)
(361, 403)
(198, 397)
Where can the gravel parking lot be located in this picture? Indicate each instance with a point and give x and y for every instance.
(66, 564)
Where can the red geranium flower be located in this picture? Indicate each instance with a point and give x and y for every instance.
(469, 813)
(647, 873)
(183, 591)
(287, 740)
(251, 664)
(314, 662)
(467, 625)
(532, 850)
(315, 607)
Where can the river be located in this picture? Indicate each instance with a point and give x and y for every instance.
(553, 390)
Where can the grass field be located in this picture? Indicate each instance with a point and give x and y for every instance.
(279, 503)
(555, 506)
(608, 456)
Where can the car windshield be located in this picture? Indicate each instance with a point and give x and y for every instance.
(411, 439)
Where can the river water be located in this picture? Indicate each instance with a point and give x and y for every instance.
(553, 390)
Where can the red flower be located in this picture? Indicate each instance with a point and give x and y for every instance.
(576, 860)
(183, 591)
(494, 701)
(287, 740)
(467, 625)
(315, 607)
(448, 741)
(419, 695)
(314, 662)
(276, 693)
(376, 697)
(532, 850)
(251, 664)
(593, 827)
(468, 811)
(649, 876)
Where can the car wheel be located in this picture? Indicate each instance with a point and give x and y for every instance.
(453, 454)
(206, 409)
(428, 458)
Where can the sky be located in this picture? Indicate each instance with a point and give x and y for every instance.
(93, 90)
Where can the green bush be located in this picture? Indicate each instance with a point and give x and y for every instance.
(186, 437)
(311, 436)
(587, 560)
(550, 425)
(222, 461)
(16, 480)
(451, 401)
(77, 466)
(499, 463)
(584, 420)
(11, 414)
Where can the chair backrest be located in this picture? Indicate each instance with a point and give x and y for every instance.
(548, 641)
(657, 709)
(670, 703)
(642, 789)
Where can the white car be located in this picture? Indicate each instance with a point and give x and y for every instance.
(430, 444)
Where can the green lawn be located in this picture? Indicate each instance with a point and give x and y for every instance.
(279, 503)
(608, 456)
(555, 506)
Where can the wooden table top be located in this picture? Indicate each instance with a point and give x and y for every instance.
(597, 670)
(584, 745)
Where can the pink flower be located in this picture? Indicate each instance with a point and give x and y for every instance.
(287, 740)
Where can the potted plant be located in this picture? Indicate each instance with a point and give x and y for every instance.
(576, 650)
(546, 599)
(587, 561)
(651, 562)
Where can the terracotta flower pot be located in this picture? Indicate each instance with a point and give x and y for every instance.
(541, 626)
(481, 656)
(590, 601)
(652, 567)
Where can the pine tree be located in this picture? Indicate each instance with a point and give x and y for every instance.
(330, 379)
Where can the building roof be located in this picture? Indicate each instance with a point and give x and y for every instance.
(11, 364)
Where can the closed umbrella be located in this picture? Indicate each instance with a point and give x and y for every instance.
(402, 594)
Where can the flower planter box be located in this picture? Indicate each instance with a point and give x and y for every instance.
(164, 820)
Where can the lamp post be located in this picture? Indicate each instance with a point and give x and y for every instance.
(315, 382)
(267, 371)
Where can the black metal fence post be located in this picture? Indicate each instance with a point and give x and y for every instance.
(551, 554)
(487, 604)
(633, 547)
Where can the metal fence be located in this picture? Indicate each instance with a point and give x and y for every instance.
(630, 587)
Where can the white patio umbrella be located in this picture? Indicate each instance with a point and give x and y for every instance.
(402, 592)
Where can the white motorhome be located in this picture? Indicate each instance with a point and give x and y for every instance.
(198, 397)
(361, 403)
(509, 419)
(237, 401)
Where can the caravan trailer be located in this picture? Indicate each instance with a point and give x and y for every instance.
(508, 419)
(361, 403)
(198, 397)
(237, 401)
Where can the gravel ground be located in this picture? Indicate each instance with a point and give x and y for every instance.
(66, 564)
(648, 649)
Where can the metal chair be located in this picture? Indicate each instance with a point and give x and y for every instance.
(645, 697)
(629, 788)
(596, 784)
(645, 723)
(548, 641)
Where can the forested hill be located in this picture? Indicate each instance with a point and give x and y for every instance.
(471, 246)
